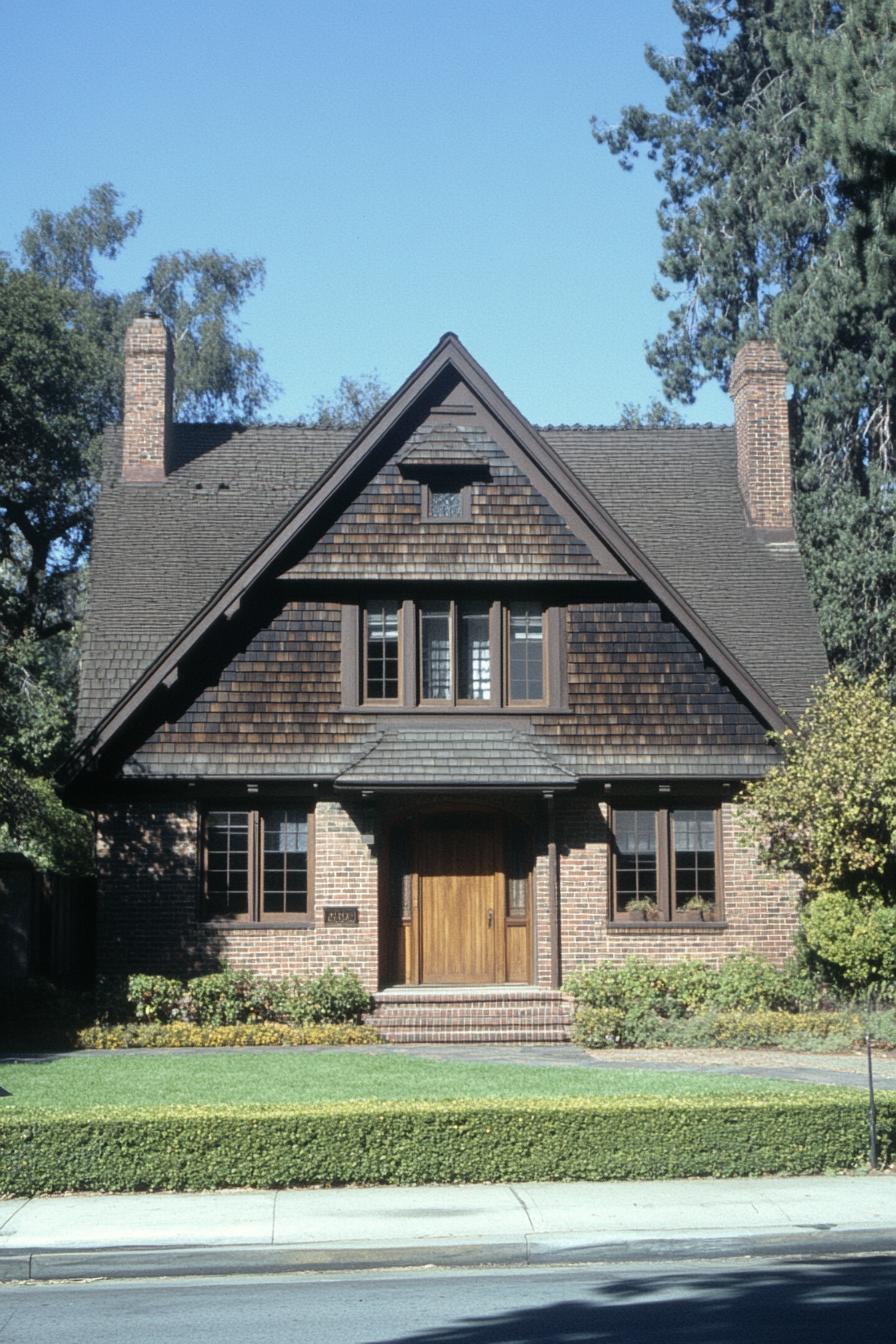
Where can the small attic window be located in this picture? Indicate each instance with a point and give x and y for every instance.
(446, 501)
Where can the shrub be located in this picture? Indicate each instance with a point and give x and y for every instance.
(747, 981)
(154, 998)
(778, 1027)
(174, 1035)
(426, 1142)
(335, 996)
(228, 997)
(223, 998)
(598, 1028)
(855, 940)
(642, 985)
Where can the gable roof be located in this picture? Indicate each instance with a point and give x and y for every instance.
(174, 558)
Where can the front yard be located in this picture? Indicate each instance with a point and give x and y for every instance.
(303, 1077)
(269, 1119)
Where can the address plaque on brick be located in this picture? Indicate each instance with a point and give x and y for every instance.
(341, 914)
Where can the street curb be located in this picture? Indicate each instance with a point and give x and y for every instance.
(532, 1250)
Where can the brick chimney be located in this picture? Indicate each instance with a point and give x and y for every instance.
(762, 428)
(148, 396)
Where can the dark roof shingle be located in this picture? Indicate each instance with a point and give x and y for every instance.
(162, 551)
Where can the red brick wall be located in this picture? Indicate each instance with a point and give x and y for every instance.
(760, 909)
(148, 891)
(148, 894)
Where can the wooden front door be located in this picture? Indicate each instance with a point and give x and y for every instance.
(458, 872)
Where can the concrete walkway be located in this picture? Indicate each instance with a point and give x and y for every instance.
(837, 1070)
(88, 1236)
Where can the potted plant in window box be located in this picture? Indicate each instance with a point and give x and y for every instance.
(642, 908)
(698, 907)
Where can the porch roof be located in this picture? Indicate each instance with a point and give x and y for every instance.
(446, 758)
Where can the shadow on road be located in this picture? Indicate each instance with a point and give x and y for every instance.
(838, 1301)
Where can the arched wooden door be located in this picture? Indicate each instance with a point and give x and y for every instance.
(460, 908)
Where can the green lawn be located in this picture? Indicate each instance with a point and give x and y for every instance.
(142, 1079)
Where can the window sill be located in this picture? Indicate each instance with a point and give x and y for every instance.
(256, 924)
(665, 926)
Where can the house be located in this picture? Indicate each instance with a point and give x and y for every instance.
(456, 702)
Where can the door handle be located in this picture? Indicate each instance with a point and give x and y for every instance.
(491, 917)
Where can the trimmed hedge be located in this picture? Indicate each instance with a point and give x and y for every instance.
(175, 1035)
(429, 1142)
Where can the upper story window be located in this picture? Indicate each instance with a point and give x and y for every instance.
(381, 650)
(666, 864)
(455, 653)
(255, 864)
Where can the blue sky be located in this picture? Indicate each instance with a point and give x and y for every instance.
(405, 167)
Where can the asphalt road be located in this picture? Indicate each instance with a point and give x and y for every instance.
(773, 1302)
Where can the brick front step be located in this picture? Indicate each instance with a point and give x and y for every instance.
(499, 1015)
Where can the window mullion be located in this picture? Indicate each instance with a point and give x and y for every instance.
(254, 862)
(664, 882)
(496, 653)
(409, 691)
(453, 647)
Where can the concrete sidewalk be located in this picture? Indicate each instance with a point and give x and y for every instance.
(88, 1236)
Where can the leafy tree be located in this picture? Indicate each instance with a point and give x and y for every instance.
(61, 377)
(355, 401)
(52, 403)
(34, 719)
(828, 812)
(776, 155)
(199, 294)
(655, 415)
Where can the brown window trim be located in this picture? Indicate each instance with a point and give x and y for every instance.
(410, 673)
(255, 917)
(665, 872)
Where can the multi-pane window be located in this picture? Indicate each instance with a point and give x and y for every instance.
(634, 834)
(381, 646)
(518, 868)
(227, 864)
(256, 865)
(435, 651)
(284, 873)
(454, 652)
(525, 651)
(666, 863)
(694, 848)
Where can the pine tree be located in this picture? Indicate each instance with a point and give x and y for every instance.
(776, 155)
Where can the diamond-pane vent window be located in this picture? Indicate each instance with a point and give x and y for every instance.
(446, 502)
